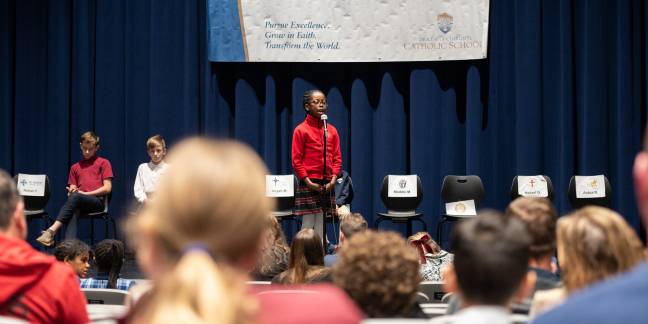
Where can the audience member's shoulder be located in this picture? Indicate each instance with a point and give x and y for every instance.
(621, 299)
(322, 303)
(330, 260)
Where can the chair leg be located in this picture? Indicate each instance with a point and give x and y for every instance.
(114, 227)
(92, 240)
(378, 221)
(439, 234)
(409, 227)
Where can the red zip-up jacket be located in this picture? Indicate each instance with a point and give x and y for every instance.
(308, 150)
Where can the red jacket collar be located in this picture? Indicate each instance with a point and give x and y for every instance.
(313, 121)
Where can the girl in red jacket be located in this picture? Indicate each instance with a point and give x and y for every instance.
(315, 195)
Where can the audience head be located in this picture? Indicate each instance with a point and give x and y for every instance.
(306, 250)
(380, 272)
(350, 225)
(156, 148)
(76, 254)
(539, 216)
(491, 255)
(184, 237)
(640, 175)
(594, 243)
(424, 244)
(109, 257)
(12, 218)
(275, 251)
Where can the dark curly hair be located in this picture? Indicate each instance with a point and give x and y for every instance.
(380, 272)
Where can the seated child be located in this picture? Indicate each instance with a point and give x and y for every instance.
(74, 253)
(109, 257)
(89, 181)
(490, 268)
(149, 173)
(431, 257)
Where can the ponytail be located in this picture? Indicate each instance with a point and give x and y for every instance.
(109, 256)
(199, 290)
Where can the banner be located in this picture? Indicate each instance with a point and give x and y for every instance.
(347, 31)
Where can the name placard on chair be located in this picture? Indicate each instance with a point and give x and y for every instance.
(532, 186)
(31, 185)
(402, 186)
(280, 185)
(461, 208)
(590, 186)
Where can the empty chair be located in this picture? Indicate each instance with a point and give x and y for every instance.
(35, 191)
(463, 194)
(282, 188)
(433, 290)
(401, 198)
(105, 296)
(589, 190)
(532, 186)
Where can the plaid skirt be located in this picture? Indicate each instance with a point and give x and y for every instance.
(312, 202)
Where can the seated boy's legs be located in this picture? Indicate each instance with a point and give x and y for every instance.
(76, 203)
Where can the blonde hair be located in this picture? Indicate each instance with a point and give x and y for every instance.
(89, 137)
(594, 243)
(155, 140)
(423, 243)
(212, 190)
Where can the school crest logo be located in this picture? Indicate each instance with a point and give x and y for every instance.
(402, 183)
(460, 208)
(444, 21)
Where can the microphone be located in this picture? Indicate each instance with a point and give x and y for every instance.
(324, 119)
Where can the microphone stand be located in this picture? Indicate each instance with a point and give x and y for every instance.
(325, 196)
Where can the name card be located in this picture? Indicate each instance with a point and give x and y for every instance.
(31, 185)
(401, 186)
(461, 208)
(280, 185)
(590, 186)
(532, 186)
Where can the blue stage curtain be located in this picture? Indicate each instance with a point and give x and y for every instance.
(561, 93)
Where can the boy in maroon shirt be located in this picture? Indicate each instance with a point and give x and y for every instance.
(89, 181)
(315, 193)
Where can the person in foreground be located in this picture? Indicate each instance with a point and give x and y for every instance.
(109, 258)
(199, 236)
(75, 254)
(380, 272)
(619, 300)
(306, 260)
(33, 286)
(490, 268)
(350, 225)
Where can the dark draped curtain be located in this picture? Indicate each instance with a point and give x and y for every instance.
(561, 93)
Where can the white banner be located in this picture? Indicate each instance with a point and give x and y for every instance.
(532, 186)
(590, 186)
(31, 185)
(348, 31)
(401, 186)
(280, 185)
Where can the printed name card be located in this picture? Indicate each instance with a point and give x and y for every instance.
(280, 185)
(401, 186)
(31, 185)
(461, 208)
(532, 186)
(590, 186)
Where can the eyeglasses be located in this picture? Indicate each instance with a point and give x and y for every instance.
(318, 101)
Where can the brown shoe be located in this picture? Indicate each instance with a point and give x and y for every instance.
(46, 238)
